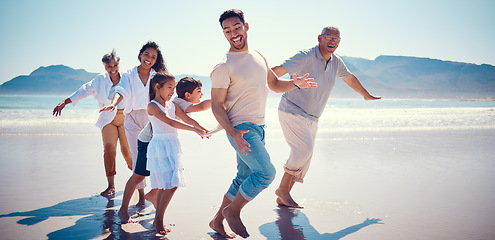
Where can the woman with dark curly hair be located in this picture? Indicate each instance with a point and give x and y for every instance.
(134, 88)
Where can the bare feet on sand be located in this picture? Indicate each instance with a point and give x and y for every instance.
(284, 199)
(217, 226)
(109, 192)
(125, 218)
(151, 197)
(235, 223)
(161, 229)
(141, 202)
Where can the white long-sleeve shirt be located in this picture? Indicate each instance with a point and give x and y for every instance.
(134, 91)
(100, 88)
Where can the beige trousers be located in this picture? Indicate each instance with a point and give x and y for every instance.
(110, 134)
(300, 134)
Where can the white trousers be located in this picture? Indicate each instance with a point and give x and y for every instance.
(134, 122)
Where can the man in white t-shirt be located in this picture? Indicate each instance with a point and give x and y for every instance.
(239, 91)
(300, 109)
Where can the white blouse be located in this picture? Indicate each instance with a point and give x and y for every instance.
(133, 90)
(99, 88)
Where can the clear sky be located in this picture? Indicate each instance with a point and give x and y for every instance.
(78, 33)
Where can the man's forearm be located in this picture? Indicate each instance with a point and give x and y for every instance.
(223, 119)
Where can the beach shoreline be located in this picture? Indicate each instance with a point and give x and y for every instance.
(409, 180)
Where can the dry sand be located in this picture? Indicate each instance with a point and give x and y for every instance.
(361, 185)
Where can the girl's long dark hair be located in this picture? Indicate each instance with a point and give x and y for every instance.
(159, 66)
(159, 78)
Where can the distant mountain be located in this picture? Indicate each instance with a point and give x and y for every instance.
(56, 79)
(387, 76)
(412, 77)
(60, 79)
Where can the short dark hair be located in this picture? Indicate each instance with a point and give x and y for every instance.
(187, 84)
(231, 13)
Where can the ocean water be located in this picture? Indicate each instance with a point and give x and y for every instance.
(33, 115)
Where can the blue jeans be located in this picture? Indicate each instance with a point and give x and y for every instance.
(255, 172)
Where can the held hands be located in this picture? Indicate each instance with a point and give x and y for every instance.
(108, 108)
(206, 134)
(304, 81)
(201, 132)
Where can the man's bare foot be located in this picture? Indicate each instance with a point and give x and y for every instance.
(125, 218)
(280, 203)
(151, 197)
(217, 226)
(284, 199)
(235, 223)
(109, 192)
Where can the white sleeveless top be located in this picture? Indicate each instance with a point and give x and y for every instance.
(159, 127)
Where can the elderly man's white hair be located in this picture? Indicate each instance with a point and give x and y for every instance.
(330, 27)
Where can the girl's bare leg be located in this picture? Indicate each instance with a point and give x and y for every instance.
(130, 187)
(151, 196)
(163, 199)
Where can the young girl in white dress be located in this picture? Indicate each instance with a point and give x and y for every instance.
(164, 151)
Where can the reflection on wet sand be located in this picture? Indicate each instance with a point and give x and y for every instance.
(100, 219)
(294, 225)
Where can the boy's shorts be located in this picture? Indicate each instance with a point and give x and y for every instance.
(140, 168)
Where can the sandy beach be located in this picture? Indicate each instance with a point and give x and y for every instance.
(380, 170)
(361, 185)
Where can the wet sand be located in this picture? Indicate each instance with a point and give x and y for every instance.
(361, 185)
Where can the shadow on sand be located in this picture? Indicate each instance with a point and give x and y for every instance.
(294, 225)
(100, 219)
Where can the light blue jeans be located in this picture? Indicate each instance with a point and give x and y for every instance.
(255, 172)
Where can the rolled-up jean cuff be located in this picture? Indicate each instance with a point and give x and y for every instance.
(245, 195)
(229, 196)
